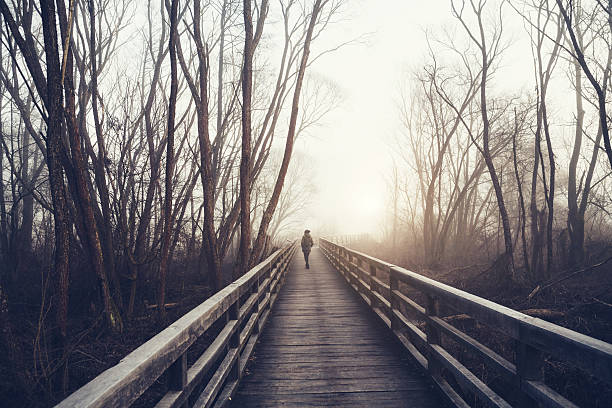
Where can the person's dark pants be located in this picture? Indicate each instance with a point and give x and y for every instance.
(306, 253)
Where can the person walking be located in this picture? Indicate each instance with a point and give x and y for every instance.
(306, 245)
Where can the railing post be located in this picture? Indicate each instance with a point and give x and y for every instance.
(529, 364)
(350, 267)
(349, 261)
(335, 253)
(268, 275)
(357, 274)
(255, 290)
(355, 271)
(234, 343)
(361, 265)
(393, 286)
(281, 271)
(274, 269)
(177, 374)
(433, 335)
(373, 300)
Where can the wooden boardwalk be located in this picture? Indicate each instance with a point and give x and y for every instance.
(322, 346)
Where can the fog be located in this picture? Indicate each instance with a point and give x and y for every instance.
(352, 151)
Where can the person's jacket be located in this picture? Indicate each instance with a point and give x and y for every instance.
(307, 242)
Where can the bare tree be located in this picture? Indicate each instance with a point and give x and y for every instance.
(566, 10)
(578, 191)
(245, 157)
(489, 51)
(168, 219)
(50, 91)
(258, 246)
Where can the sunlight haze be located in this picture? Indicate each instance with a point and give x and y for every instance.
(352, 150)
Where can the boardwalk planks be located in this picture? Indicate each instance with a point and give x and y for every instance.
(322, 346)
(243, 306)
(534, 338)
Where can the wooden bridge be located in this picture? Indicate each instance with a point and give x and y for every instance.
(351, 331)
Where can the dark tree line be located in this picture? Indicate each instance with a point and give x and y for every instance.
(135, 137)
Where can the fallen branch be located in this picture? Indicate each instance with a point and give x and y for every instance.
(602, 302)
(540, 288)
(544, 313)
(541, 313)
(457, 318)
(167, 305)
(461, 268)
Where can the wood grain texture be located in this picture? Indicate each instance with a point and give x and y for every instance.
(322, 346)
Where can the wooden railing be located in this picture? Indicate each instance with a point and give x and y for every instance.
(384, 287)
(241, 308)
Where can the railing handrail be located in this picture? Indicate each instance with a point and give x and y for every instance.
(513, 323)
(123, 383)
(533, 335)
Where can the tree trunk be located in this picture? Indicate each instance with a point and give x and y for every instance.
(105, 227)
(599, 88)
(154, 164)
(245, 160)
(53, 104)
(551, 191)
(3, 221)
(206, 156)
(82, 196)
(575, 225)
(536, 246)
(577, 206)
(165, 249)
(27, 218)
(522, 217)
(503, 213)
(278, 186)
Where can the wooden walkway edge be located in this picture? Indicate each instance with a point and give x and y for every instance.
(322, 346)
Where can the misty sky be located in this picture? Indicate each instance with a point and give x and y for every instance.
(352, 152)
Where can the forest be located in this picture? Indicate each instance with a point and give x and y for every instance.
(145, 147)
(512, 180)
(148, 159)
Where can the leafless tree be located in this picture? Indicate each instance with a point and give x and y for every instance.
(579, 188)
(566, 8)
(489, 49)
